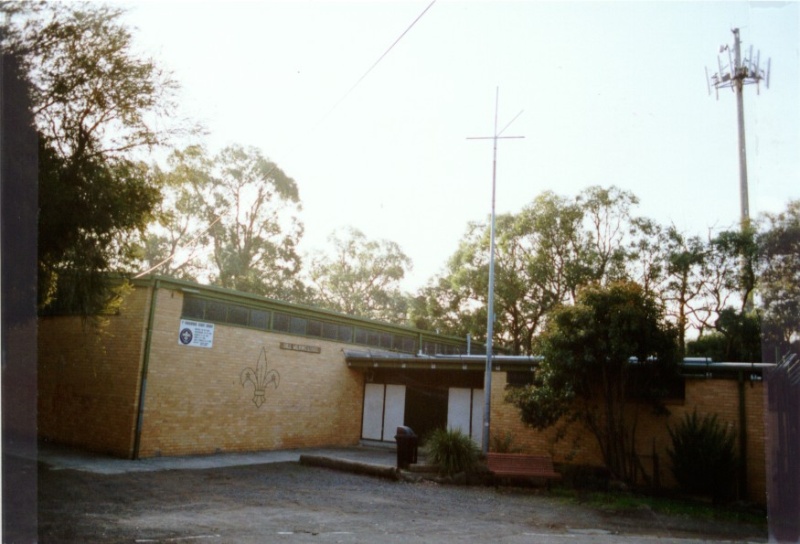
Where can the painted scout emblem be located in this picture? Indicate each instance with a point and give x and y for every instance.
(260, 377)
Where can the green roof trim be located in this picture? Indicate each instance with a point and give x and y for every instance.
(258, 302)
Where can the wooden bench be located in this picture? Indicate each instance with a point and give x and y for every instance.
(516, 465)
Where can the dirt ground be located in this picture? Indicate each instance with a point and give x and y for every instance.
(289, 502)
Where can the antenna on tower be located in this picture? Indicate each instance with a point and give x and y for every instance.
(735, 75)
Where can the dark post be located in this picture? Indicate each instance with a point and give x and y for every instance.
(18, 235)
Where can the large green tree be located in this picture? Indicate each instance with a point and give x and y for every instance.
(234, 219)
(177, 243)
(95, 103)
(684, 286)
(587, 374)
(543, 255)
(361, 277)
(779, 283)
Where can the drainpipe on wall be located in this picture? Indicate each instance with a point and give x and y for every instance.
(742, 440)
(137, 438)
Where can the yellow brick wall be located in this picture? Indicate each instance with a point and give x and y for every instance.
(195, 402)
(564, 442)
(88, 377)
(708, 396)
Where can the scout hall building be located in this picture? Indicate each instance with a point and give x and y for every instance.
(183, 369)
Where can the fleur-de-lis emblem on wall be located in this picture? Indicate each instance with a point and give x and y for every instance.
(260, 377)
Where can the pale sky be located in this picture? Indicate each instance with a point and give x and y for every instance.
(612, 93)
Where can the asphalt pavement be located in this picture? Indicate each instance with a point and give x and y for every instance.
(268, 496)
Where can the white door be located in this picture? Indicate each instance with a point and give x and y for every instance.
(394, 411)
(459, 409)
(372, 421)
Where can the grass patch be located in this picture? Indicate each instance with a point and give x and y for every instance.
(619, 501)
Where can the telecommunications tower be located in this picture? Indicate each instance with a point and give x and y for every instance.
(736, 74)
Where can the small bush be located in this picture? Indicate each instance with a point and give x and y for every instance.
(504, 444)
(703, 456)
(451, 451)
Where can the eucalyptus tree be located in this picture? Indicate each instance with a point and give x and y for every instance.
(685, 279)
(177, 242)
(361, 277)
(609, 223)
(250, 209)
(231, 219)
(543, 255)
(646, 255)
(95, 103)
(437, 307)
(779, 282)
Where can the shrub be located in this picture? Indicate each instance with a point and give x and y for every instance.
(703, 456)
(451, 451)
(504, 444)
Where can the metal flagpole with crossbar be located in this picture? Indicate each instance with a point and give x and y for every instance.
(487, 382)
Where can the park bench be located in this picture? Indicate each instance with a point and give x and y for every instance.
(516, 465)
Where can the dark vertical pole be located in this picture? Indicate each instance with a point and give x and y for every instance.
(742, 439)
(19, 194)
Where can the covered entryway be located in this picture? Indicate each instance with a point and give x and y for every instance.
(424, 392)
(426, 409)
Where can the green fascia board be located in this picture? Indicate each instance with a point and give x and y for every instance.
(264, 303)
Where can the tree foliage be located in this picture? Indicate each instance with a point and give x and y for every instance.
(684, 261)
(587, 374)
(95, 102)
(736, 337)
(543, 255)
(556, 245)
(235, 216)
(177, 241)
(361, 277)
(92, 94)
(779, 284)
(88, 211)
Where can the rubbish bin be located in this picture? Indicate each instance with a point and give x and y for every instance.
(407, 443)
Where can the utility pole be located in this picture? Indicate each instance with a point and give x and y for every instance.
(735, 75)
(487, 381)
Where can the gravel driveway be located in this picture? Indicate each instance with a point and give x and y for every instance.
(293, 503)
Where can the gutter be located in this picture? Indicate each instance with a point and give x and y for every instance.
(137, 438)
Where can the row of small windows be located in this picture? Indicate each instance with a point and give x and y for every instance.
(234, 314)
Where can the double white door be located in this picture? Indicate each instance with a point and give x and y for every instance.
(385, 404)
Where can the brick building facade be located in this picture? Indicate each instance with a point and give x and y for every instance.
(188, 369)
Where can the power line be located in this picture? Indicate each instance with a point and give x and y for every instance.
(321, 120)
(357, 83)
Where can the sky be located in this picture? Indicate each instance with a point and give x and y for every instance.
(604, 93)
